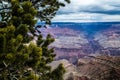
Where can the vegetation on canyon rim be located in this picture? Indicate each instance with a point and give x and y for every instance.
(18, 59)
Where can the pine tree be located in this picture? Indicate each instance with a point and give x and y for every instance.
(20, 57)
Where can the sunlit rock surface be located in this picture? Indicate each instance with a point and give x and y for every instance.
(108, 40)
(70, 68)
(69, 41)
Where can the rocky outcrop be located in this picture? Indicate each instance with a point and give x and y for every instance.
(91, 68)
(100, 67)
(70, 68)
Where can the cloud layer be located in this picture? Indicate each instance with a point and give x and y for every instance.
(90, 10)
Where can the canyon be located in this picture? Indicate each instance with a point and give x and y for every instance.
(85, 48)
(75, 40)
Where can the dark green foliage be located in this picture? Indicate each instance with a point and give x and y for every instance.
(58, 73)
(23, 14)
(46, 9)
(22, 57)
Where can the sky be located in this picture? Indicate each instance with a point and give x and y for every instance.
(89, 11)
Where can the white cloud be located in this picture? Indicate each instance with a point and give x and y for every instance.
(90, 10)
(111, 18)
(86, 17)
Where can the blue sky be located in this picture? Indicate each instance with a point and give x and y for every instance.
(89, 11)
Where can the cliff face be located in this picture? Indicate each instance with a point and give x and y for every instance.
(100, 67)
(91, 68)
(73, 44)
(68, 43)
(109, 40)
